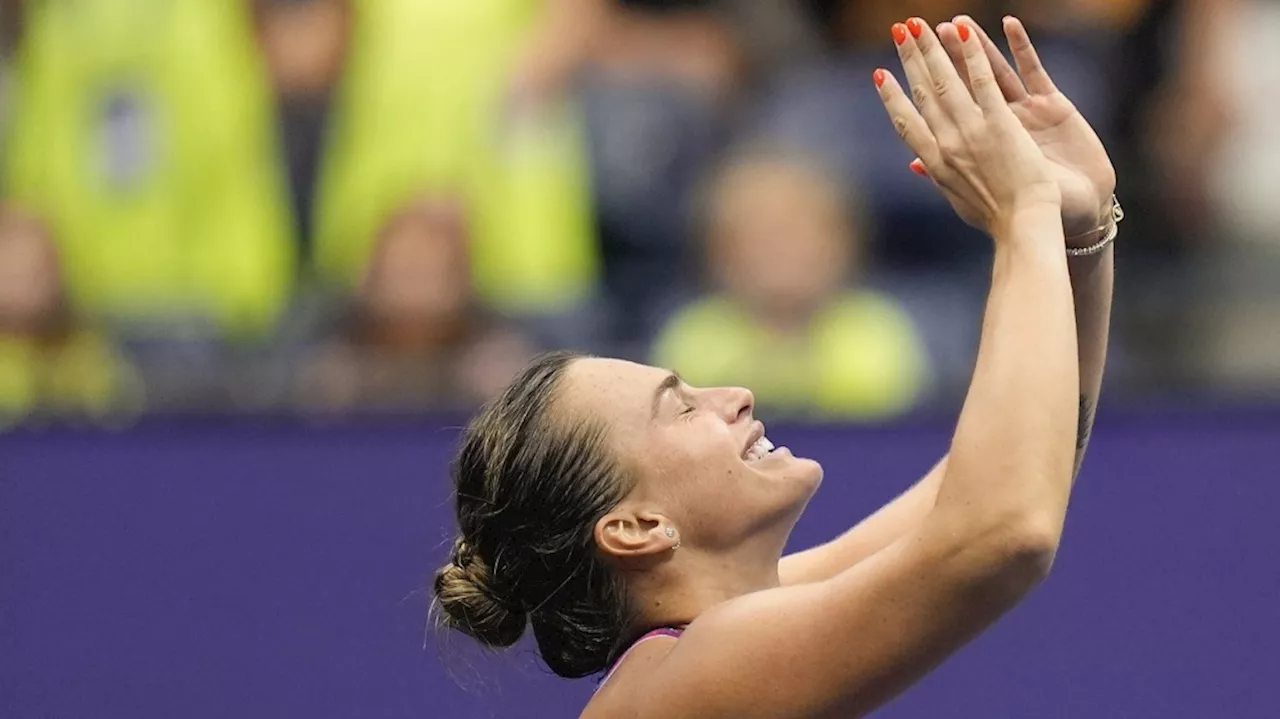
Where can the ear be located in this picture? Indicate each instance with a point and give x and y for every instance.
(627, 534)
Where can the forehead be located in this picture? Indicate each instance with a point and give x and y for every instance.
(616, 391)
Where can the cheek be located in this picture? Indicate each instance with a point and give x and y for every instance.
(691, 460)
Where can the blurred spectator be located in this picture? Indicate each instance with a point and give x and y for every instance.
(658, 97)
(304, 44)
(424, 108)
(142, 138)
(783, 248)
(414, 337)
(774, 35)
(51, 364)
(1238, 303)
(1173, 111)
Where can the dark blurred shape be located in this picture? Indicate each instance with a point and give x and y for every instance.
(304, 44)
(11, 17)
(413, 337)
(791, 318)
(865, 24)
(657, 98)
(52, 364)
(1172, 114)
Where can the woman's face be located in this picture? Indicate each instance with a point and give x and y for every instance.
(779, 240)
(693, 453)
(419, 272)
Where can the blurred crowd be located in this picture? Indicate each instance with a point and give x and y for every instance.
(329, 206)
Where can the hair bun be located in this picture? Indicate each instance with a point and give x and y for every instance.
(466, 593)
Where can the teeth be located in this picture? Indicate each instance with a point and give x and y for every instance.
(761, 448)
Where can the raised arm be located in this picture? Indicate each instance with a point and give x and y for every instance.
(846, 645)
(1086, 179)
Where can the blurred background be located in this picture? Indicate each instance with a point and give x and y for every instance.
(371, 213)
(319, 207)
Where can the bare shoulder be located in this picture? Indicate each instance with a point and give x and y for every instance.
(839, 647)
(625, 693)
(669, 677)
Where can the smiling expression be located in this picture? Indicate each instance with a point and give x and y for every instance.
(698, 456)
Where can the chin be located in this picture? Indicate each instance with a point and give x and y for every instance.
(783, 467)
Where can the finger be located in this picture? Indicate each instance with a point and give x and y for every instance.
(947, 86)
(906, 119)
(1006, 77)
(950, 39)
(917, 166)
(919, 80)
(1024, 53)
(982, 79)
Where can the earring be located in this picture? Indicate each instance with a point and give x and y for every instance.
(671, 532)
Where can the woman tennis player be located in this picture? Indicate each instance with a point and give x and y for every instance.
(637, 524)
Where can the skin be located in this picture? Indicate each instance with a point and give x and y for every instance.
(841, 629)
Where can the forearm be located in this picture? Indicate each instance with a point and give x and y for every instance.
(1011, 457)
(871, 535)
(1092, 280)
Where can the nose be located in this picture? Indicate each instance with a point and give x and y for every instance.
(739, 404)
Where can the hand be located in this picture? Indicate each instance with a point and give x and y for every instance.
(977, 151)
(1077, 160)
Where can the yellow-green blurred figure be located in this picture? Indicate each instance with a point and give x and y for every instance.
(426, 108)
(782, 249)
(143, 138)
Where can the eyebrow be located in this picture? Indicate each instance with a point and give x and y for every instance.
(669, 382)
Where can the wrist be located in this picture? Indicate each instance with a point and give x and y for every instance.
(1031, 222)
(1098, 238)
(1085, 230)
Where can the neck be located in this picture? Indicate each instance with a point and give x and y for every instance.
(692, 582)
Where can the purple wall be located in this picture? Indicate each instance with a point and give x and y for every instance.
(274, 572)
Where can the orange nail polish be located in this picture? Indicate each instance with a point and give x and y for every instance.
(918, 167)
(964, 33)
(899, 33)
(916, 25)
(880, 77)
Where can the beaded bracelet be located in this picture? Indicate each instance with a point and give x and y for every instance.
(1110, 230)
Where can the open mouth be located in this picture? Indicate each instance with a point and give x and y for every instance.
(758, 445)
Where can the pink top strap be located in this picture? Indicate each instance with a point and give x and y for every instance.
(660, 632)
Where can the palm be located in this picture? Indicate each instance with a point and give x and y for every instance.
(1079, 162)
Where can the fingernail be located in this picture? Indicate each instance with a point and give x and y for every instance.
(964, 33)
(918, 167)
(916, 25)
(880, 77)
(899, 33)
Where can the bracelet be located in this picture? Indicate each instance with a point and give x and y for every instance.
(1110, 229)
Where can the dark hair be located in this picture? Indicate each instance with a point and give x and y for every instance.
(530, 488)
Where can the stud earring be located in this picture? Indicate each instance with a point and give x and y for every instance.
(671, 531)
